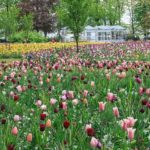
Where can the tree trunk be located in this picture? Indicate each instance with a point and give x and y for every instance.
(132, 26)
(59, 35)
(132, 18)
(77, 44)
(45, 34)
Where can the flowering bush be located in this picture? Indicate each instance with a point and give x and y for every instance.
(97, 99)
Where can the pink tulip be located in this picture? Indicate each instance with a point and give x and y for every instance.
(12, 94)
(107, 76)
(70, 94)
(64, 105)
(14, 131)
(5, 78)
(12, 74)
(116, 112)
(75, 101)
(111, 97)
(16, 118)
(141, 90)
(85, 93)
(100, 65)
(122, 75)
(64, 92)
(148, 91)
(131, 132)
(53, 101)
(128, 123)
(24, 88)
(95, 143)
(92, 83)
(102, 106)
(124, 124)
(19, 88)
(38, 103)
(64, 97)
(131, 121)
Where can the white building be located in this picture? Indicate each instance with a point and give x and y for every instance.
(98, 33)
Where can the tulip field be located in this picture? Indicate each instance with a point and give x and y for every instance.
(18, 49)
(58, 99)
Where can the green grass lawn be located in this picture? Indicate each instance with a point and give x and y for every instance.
(9, 60)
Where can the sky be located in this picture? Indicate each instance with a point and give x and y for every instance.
(126, 17)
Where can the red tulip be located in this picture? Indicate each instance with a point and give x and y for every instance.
(10, 147)
(3, 121)
(16, 97)
(42, 127)
(144, 102)
(3, 107)
(66, 124)
(90, 131)
(42, 116)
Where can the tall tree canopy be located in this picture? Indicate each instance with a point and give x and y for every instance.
(106, 12)
(74, 16)
(44, 17)
(142, 15)
(8, 17)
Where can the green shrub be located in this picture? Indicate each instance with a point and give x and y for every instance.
(132, 37)
(20, 37)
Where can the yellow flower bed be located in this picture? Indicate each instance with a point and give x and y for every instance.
(34, 47)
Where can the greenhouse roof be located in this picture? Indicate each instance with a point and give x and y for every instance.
(117, 27)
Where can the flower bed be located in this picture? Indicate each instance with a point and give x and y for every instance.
(96, 99)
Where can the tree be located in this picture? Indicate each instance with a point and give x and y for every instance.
(107, 12)
(142, 15)
(97, 13)
(27, 25)
(6, 4)
(130, 4)
(8, 21)
(44, 17)
(75, 15)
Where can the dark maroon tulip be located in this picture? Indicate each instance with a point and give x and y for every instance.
(13, 81)
(66, 124)
(3, 121)
(42, 116)
(82, 77)
(90, 132)
(74, 78)
(60, 105)
(3, 108)
(65, 142)
(29, 86)
(142, 110)
(56, 110)
(10, 147)
(144, 102)
(42, 127)
(16, 97)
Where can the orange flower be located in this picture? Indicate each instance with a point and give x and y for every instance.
(29, 137)
(48, 123)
